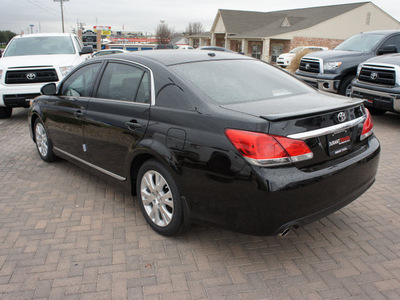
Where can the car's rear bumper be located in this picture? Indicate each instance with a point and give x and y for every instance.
(265, 201)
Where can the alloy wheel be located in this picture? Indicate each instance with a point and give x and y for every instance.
(157, 198)
(41, 139)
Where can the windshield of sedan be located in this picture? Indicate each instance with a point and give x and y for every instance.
(40, 45)
(361, 42)
(235, 81)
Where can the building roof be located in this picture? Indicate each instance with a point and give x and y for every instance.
(202, 35)
(262, 24)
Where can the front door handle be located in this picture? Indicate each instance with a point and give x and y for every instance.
(78, 114)
(132, 125)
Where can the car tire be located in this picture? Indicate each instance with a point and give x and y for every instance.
(376, 111)
(5, 112)
(345, 86)
(43, 142)
(159, 198)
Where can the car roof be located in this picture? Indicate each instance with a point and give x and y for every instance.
(173, 57)
(381, 32)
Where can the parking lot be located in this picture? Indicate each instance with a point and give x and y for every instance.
(66, 234)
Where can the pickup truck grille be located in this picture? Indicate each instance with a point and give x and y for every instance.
(31, 76)
(378, 75)
(309, 65)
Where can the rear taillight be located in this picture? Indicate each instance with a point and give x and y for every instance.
(268, 150)
(368, 125)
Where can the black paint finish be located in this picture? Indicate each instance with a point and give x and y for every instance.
(187, 135)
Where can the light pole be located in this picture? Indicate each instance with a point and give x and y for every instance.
(62, 12)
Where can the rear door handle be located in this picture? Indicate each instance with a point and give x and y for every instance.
(132, 125)
(78, 114)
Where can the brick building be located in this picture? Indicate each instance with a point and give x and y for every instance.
(265, 35)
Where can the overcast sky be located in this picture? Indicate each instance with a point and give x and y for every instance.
(144, 15)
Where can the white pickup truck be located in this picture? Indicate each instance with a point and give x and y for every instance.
(30, 61)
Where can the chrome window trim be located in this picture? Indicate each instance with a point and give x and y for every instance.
(324, 131)
(120, 178)
(152, 85)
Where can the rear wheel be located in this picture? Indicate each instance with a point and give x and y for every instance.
(43, 143)
(159, 198)
(345, 86)
(5, 112)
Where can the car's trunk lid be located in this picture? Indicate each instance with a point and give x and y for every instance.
(330, 125)
(293, 106)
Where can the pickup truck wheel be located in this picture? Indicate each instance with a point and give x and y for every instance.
(43, 142)
(345, 86)
(376, 111)
(5, 112)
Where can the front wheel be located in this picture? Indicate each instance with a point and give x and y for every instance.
(345, 86)
(43, 143)
(5, 112)
(159, 198)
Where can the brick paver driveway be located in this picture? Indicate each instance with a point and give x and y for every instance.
(66, 234)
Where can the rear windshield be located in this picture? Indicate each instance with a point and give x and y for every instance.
(40, 45)
(361, 42)
(235, 81)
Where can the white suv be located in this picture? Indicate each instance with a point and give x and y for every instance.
(30, 61)
(285, 59)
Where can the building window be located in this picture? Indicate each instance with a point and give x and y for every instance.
(368, 18)
(256, 50)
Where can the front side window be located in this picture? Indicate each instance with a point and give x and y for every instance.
(393, 41)
(40, 45)
(235, 81)
(79, 43)
(124, 82)
(81, 82)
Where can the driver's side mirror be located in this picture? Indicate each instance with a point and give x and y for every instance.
(49, 89)
(86, 50)
(387, 50)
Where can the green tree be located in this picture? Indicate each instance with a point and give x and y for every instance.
(6, 36)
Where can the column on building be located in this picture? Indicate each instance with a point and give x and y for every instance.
(213, 39)
(245, 47)
(266, 49)
(227, 42)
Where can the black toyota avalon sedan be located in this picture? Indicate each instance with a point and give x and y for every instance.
(211, 137)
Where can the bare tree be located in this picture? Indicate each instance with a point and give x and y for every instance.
(163, 33)
(194, 28)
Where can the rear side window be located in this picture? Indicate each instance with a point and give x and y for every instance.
(125, 83)
(234, 81)
(81, 82)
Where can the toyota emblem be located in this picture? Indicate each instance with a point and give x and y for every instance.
(341, 117)
(374, 76)
(307, 66)
(30, 76)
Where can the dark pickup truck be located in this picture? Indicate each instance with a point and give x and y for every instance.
(378, 83)
(333, 70)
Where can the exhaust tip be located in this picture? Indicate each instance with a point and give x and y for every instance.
(284, 232)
